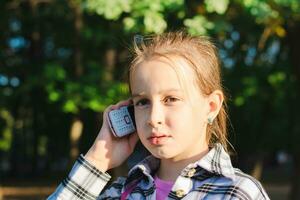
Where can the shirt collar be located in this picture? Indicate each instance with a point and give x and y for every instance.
(216, 161)
(147, 166)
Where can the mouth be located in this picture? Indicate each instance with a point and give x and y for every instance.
(158, 138)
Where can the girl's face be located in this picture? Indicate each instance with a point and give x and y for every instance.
(171, 122)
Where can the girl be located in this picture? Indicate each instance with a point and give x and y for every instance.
(180, 117)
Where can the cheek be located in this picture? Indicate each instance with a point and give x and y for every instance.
(186, 119)
(140, 120)
(178, 121)
(199, 119)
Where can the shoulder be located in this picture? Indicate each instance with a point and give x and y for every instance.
(248, 185)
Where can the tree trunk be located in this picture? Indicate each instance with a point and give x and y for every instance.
(110, 63)
(295, 190)
(294, 47)
(35, 54)
(258, 168)
(75, 134)
(77, 124)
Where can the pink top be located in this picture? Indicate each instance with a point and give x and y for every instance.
(162, 188)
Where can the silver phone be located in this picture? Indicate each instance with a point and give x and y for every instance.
(122, 121)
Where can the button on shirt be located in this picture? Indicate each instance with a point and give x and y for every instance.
(212, 177)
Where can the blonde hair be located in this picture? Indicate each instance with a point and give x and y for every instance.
(201, 54)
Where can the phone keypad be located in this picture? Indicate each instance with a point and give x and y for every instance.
(121, 122)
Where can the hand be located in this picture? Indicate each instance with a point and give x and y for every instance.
(108, 151)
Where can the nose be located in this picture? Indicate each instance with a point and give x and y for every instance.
(156, 116)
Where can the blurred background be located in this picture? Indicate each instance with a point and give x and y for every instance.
(62, 62)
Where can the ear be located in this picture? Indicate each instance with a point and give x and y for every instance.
(215, 100)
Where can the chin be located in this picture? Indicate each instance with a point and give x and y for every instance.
(162, 155)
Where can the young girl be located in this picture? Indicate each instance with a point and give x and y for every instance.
(180, 118)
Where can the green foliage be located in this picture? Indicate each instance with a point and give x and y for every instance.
(116, 92)
(294, 5)
(249, 89)
(261, 10)
(147, 16)
(6, 134)
(111, 9)
(42, 145)
(80, 94)
(198, 25)
(70, 106)
(154, 22)
(276, 79)
(218, 6)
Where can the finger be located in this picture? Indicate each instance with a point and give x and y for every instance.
(106, 111)
(109, 108)
(124, 103)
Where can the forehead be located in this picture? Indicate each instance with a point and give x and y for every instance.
(161, 74)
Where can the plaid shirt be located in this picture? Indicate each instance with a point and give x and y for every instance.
(212, 177)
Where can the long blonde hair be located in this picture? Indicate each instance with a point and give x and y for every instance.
(201, 54)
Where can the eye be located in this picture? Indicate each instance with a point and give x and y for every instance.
(142, 102)
(171, 99)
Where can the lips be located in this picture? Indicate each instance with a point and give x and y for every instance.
(158, 138)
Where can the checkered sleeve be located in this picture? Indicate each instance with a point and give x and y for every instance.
(83, 182)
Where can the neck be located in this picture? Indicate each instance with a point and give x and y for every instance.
(170, 169)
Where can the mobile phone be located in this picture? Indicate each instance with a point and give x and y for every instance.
(121, 121)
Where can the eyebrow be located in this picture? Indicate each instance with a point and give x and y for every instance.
(160, 92)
